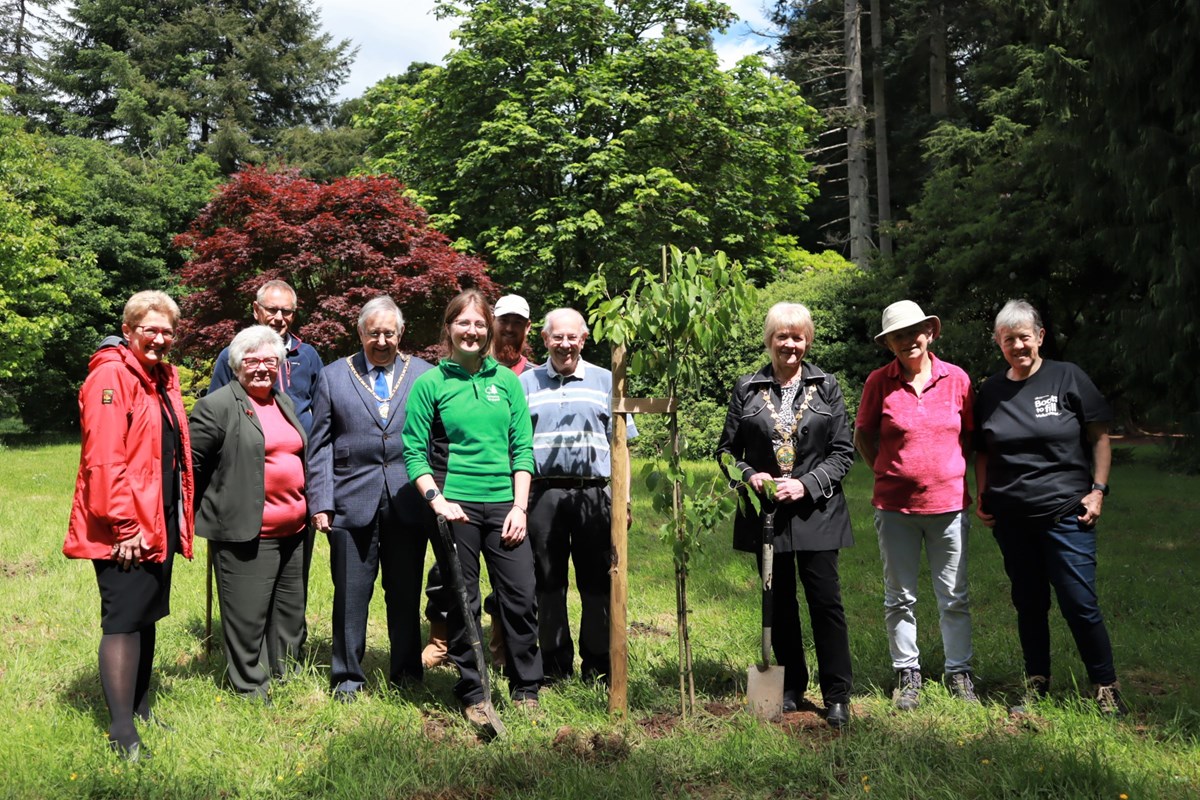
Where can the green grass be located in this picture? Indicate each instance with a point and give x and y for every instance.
(414, 744)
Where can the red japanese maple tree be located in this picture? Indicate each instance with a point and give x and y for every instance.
(339, 244)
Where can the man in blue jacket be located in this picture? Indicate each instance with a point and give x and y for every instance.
(275, 305)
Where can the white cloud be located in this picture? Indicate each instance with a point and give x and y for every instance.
(390, 35)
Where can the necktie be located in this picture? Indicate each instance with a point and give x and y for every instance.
(382, 390)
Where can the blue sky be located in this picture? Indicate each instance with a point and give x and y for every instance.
(391, 34)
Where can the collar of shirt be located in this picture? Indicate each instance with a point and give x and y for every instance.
(580, 370)
(387, 371)
(937, 369)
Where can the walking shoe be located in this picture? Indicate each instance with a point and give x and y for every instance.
(476, 714)
(962, 687)
(435, 653)
(1108, 698)
(908, 689)
(527, 704)
(1037, 687)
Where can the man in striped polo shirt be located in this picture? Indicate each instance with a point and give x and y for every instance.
(570, 503)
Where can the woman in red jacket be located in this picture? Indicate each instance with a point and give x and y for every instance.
(133, 501)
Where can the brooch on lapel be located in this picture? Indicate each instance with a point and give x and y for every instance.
(249, 412)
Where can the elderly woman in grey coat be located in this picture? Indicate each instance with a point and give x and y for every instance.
(248, 450)
(787, 426)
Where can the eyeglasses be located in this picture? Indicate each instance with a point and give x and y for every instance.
(569, 338)
(255, 363)
(468, 324)
(387, 335)
(273, 310)
(167, 334)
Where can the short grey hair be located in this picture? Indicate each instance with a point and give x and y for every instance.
(254, 338)
(562, 312)
(787, 316)
(378, 305)
(275, 284)
(142, 303)
(1016, 314)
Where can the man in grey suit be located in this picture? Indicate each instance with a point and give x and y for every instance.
(360, 495)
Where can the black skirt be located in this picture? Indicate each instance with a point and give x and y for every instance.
(131, 600)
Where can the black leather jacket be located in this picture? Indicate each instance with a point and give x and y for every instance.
(824, 454)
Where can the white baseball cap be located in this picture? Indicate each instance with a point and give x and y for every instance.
(512, 304)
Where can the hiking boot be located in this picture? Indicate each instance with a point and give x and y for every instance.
(1108, 698)
(476, 714)
(962, 687)
(435, 653)
(908, 689)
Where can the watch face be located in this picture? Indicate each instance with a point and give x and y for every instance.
(432, 493)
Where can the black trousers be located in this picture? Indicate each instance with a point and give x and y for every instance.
(261, 593)
(818, 573)
(565, 525)
(396, 553)
(511, 573)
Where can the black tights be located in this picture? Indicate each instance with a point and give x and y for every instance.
(125, 662)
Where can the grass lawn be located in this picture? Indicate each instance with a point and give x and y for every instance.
(415, 744)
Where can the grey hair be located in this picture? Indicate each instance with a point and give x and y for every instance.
(142, 303)
(787, 316)
(561, 312)
(251, 339)
(378, 305)
(274, 284)
(1016, 314)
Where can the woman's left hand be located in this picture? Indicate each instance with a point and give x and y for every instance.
(514, 527)
(1092, 502)
(788, 490)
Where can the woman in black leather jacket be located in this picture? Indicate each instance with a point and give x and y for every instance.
(787, 425)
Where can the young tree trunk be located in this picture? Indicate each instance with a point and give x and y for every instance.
(858, 188)
(883, 181)
(939, 105)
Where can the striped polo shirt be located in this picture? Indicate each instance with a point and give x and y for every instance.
(572, 420)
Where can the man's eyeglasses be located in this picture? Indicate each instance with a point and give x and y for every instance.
(387, 335)
(273, 310)
(569, 338)
(255, 363)
(167, 334)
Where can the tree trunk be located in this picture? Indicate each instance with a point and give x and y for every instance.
(939, 105)
(858, 188)
(883, 181)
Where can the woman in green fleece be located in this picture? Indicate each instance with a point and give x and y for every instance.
(468, 429)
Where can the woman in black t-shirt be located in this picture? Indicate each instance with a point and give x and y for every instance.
(1041, 469)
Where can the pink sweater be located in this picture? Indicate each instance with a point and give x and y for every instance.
(284, 510)
(921, 468)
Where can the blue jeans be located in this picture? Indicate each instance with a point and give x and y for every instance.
(1061, 554)
(945, 540)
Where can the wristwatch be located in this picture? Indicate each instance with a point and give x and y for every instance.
(1102, 488)
(432, 494)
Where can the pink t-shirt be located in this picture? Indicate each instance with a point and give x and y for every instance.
(920, 468)
(285, 511)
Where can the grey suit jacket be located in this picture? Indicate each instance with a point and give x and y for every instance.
(229, 461)
(354, 456)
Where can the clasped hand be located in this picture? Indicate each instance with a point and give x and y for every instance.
(787, 490)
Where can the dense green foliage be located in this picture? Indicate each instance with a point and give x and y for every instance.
(567, 135)
(414, 744)
(47, 289)
(227, 75)
(1063, 168)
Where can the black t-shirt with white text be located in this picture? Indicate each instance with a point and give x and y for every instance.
(1034, 435)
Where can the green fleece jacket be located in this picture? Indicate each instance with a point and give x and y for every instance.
(484, 422)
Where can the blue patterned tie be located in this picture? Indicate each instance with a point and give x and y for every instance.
(382, 390)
